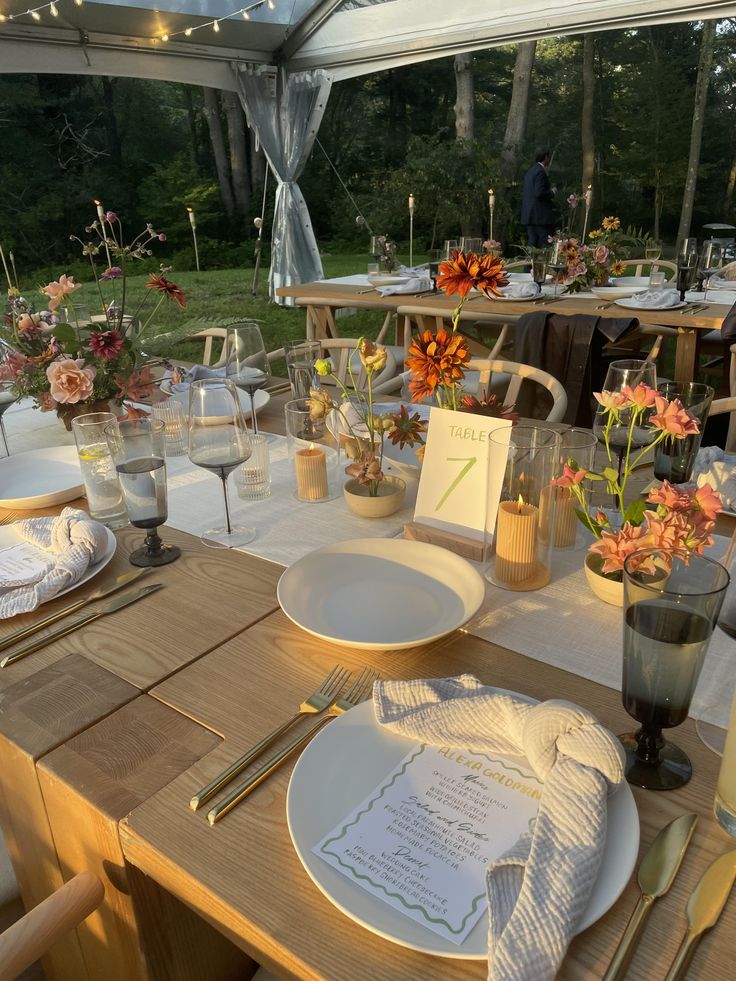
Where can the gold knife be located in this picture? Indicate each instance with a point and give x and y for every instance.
(703, 909)
(24, 632)
(655, 876)
(110, 607)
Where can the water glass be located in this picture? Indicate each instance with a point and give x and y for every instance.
(672, 599)
(247, 364)
(471, 244)
(539, 268)
(724, 805)
(253, 478)
(525, 522)
(674, 459)
(138, 451)
(314, 452)
(657, 279)
(172, 415)
(450, 245)
(101, 483)
(300, 357)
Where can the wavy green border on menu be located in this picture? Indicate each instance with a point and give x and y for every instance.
(377, 885)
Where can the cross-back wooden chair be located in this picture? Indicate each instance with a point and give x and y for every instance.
(322, 314)
(643, 267)
(421, 318)
(510, 375)
(341, 351)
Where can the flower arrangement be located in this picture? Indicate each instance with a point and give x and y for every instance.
(684, 517)
(594, 262)
(69, 366)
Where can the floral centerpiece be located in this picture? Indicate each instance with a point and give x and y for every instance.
(589, 264)
(77, 366)
(682, 517)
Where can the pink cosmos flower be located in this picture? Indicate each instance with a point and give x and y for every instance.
(569, 477)
(56, 291)
(673, 419)
(138, 385)
(612, 400)
(106, 345)
(70, 381)
(114, 272)
(642, 396)
(110, 217)
(614, 547)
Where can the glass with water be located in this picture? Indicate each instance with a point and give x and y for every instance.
(101, 483)
(300, 357)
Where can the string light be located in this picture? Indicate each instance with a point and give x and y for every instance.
(52, 6)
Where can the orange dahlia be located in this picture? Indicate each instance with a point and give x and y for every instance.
(464, 271)
(436, 359)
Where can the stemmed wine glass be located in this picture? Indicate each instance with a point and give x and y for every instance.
(687, 265)
(219, 442)
(711, 260)
(7, 398)
(539, 267)
(652, 249)
(557, 261)
(247, 362)
(672, 599)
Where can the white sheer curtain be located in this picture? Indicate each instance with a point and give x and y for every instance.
(285, 111)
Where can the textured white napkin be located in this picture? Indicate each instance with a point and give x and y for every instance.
(521, 290)
(722, 282)
(713, 466)
(419, 284)
(540, 888)
(74, 542)
(654, 298)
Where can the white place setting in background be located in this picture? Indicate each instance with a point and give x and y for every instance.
(40, 478)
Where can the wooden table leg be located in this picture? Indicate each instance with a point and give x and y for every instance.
(685, 354)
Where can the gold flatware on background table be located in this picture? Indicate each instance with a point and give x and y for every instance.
(655, 876)
(356, 693)
(317, 702)
(24, 632)
(110, 607)
(703, 909)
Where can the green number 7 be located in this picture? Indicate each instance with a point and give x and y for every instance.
(470, 462)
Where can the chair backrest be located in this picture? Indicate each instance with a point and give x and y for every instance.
(641, 264)
(209, 336)
(432, 318)
(718, 408)
(520, 373)
(347, 365)
(322, 315)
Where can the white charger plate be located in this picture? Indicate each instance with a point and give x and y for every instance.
(631, 304)
(380, 593)
(40, 478)
(343, 764)
(261, 399)
(9, 536)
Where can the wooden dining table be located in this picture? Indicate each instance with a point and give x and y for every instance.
(690, 323)
(106, 734)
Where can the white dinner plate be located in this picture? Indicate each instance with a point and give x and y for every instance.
(387, 280)
(631, 304)
(517, 299)
(40, 478)
(380, 593)
(261, 399)
(615, 292)
(343, 764)
(9, 536)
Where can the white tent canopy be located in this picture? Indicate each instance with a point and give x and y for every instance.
(282, 61)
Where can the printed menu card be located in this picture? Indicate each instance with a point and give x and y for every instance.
(421, 841)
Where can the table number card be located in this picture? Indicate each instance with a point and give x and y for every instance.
(422, 840)
(455, 493)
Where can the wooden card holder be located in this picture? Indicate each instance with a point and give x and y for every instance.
(468, 548)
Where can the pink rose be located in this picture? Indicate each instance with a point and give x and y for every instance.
(600, 254)
(56, 291)
(70, 381)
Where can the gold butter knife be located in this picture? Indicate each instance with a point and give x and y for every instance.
(110, 607)
(655, 876)
(703, 909)
(100, 593)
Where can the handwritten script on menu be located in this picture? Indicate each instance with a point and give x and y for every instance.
(422, 839)
(21, 563)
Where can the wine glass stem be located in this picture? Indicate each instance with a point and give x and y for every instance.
(5, 436)
(227, 504)
(153, 543)
(255, 414)
(648, 744)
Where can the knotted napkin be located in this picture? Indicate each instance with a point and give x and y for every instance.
(521, 291)
(74, 542)
(654, 299)
(417, 284)
(540, 888)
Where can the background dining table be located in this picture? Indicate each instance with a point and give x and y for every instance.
(105, 735)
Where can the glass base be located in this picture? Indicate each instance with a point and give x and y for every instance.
(713, 736)
(724, 815)
(672, 770)
(145, 558)
(222, 538)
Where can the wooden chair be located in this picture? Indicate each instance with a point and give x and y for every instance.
(322, 314)
(341, 351)
(728, 405)
(25, 941)
(425, 317)
(512, 375)
(640, 264)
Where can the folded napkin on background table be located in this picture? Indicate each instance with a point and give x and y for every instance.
(538, 890)
(419, 284)
(722, 282)
(655, 298)
(521, 290)
(74, 542)
(728, 272)
(715, 467)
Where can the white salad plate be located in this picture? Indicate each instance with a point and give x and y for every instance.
(40, 478)
(631, 304)
(380, 593)
(343, 764)
(180, 393)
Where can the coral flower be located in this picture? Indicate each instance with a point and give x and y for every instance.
(366, 470)
(612, 400)
(106, 345)
(487, 405)
(164, 285)
(56, 291)
(641, 396)
(70, 381)
(708, 501)
(569, 477)
(673, 419)
(436, 359)
(486, 273)
(138, 385)
(614, 547)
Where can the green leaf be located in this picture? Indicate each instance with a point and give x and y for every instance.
(610, 475)
(67, 337)
(635, 511)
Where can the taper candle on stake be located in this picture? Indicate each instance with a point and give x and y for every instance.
(5, 267)
(412, 203)
(588, 202)
(101, 216)
(491, 209)
(193, 223)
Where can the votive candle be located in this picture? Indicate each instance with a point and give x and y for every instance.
(311, 474)
(516, 543)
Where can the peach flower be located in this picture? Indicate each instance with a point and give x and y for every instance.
(641, 396)
(70, 381)
(569, 477)
(614, 547)
(673, 419)
(612, 400)
(56, 291)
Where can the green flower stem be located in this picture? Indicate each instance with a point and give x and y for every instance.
(153, 312)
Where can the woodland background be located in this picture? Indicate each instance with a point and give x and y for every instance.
(648, 117)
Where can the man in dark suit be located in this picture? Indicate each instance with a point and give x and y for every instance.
(538, 210)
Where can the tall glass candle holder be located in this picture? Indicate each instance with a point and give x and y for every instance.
(577, 450)
(524, 538)
(314, 453)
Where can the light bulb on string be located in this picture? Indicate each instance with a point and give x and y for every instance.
(54, 10)
(188, 32)
(216, 26)
(246, 15)
(35, 14)
(164, 38)
(79, 2)
(3, 18)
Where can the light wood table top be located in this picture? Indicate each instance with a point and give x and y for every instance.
(244, 877)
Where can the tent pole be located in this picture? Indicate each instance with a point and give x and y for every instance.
(259, 243)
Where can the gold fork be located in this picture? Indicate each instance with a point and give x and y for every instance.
(358, 692)
(317, 702)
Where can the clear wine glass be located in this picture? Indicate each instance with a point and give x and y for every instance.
(711, 260)
(539, 268)
(7, 398)
(557, 261)
(652, 249)
(247, 362)
(219, 442)
(687, 265)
